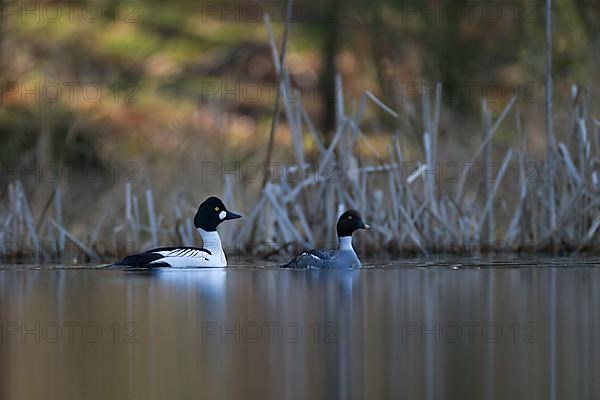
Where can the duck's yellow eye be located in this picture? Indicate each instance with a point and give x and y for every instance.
(349, 216)
(217, 209)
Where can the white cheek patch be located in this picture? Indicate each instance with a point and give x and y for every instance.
(222, 215)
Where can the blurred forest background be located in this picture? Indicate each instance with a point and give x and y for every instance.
(110, 92)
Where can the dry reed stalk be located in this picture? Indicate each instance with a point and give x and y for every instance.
(152, 217)
(90, 253)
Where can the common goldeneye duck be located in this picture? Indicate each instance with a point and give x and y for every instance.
(209, 215)
(344, 257)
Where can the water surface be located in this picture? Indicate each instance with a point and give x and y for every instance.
(414, 330)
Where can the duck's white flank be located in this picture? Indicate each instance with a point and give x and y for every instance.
(186, 258)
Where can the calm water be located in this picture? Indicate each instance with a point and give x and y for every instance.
(515, 330)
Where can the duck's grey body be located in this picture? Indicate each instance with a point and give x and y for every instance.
(345, 257)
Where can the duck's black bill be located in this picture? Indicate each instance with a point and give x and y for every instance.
(365, 226)
(232, 215)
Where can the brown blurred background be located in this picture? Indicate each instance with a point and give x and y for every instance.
(97, 94)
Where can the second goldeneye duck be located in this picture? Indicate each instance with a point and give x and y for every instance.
(344, 257)
(209, 215)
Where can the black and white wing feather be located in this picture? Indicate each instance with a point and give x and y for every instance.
(191, 252)
(159, 257)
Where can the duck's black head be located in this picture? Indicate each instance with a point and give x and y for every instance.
(349, 222)
(211, 213)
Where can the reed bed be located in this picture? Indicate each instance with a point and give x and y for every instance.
(556, 210)
(552, 208)
(410, 209)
